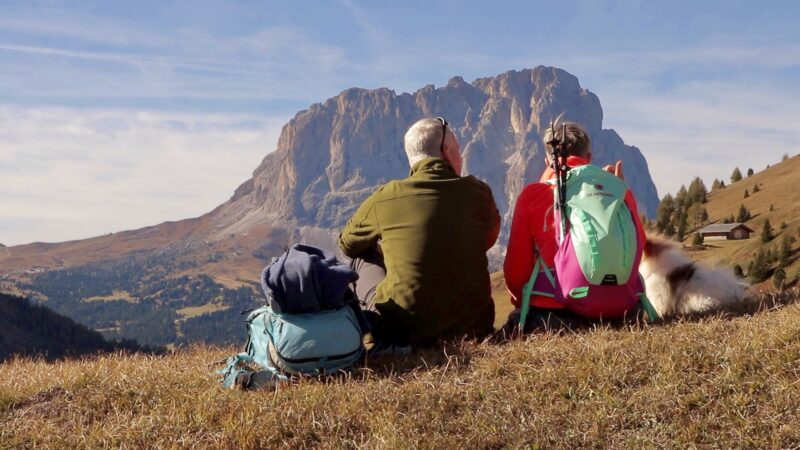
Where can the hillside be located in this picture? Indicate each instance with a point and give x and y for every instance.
(329, 158)
(714, 383)
(777, 200)
(27, 329)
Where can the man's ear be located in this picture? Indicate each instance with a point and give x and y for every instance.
(451, 153)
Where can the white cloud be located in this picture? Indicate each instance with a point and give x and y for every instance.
(275, 62)
(704, 129)
(73, 173)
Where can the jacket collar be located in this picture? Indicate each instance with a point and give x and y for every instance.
(433, 165)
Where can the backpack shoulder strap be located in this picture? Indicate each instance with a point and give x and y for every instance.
(647, 305)
(527, 289)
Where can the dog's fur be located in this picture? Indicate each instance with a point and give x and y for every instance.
(676, 285)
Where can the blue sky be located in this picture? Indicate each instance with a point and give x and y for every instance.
(116, 115)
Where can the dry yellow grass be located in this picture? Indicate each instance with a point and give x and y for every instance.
(116, 295)
(712, 383)
(194, 311)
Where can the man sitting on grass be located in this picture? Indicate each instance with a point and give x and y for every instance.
(420, 246)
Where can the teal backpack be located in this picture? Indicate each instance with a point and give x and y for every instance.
(285, 345)
(323, 333)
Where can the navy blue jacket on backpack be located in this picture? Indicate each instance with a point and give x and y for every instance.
(311, 324)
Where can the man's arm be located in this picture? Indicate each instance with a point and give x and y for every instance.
(520, 255)
(361, 231)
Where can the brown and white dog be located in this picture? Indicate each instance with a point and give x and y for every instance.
(676, 285)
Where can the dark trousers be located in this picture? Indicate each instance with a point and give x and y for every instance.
(371, 271)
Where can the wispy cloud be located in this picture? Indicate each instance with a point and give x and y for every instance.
(171, 96)
(78, 173)
(705, 129)
(276, 62)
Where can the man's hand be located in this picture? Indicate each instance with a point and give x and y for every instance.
(616, 169)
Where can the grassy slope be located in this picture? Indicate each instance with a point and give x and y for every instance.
(722, 383)
(780, 188)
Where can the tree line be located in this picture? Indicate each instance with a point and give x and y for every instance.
(28, 329)
(680, 214)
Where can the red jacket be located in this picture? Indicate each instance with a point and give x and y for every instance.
(534, 223)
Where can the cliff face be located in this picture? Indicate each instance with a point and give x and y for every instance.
(334, 154)
(331, 156)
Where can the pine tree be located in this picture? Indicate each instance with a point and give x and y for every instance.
(771, 207)
(697, 191)
(778, 279)
(716, 185)
(697, 239)
(681, 198)
(744, 215)
(746, 194)
(664, 214)
(783, 225)
(669, 231)
(785, 157)
(749, 173)
(736, 175)
(737, 270)
(682, 226)
(758, 270)
(722, 184)
(756, 188)
(770, 256)
(766, 232)
(697, 215)
(785, 252)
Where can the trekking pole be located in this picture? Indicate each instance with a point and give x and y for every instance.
(558, 148)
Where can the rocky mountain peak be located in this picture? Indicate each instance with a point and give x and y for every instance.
(334, 154)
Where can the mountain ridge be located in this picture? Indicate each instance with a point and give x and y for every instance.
(333, 154)
(329, 158)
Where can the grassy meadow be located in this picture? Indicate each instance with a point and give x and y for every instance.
(711, 382)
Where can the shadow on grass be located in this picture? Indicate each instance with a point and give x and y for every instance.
(458, 354)
(453, 353)
(760, 302)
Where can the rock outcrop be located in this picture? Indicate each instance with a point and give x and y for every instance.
(334, 154)
(331, 156)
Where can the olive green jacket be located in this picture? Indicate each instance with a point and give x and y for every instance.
(434, 229)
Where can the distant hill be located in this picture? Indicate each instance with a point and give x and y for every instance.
(777, 199)
(28, 329)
